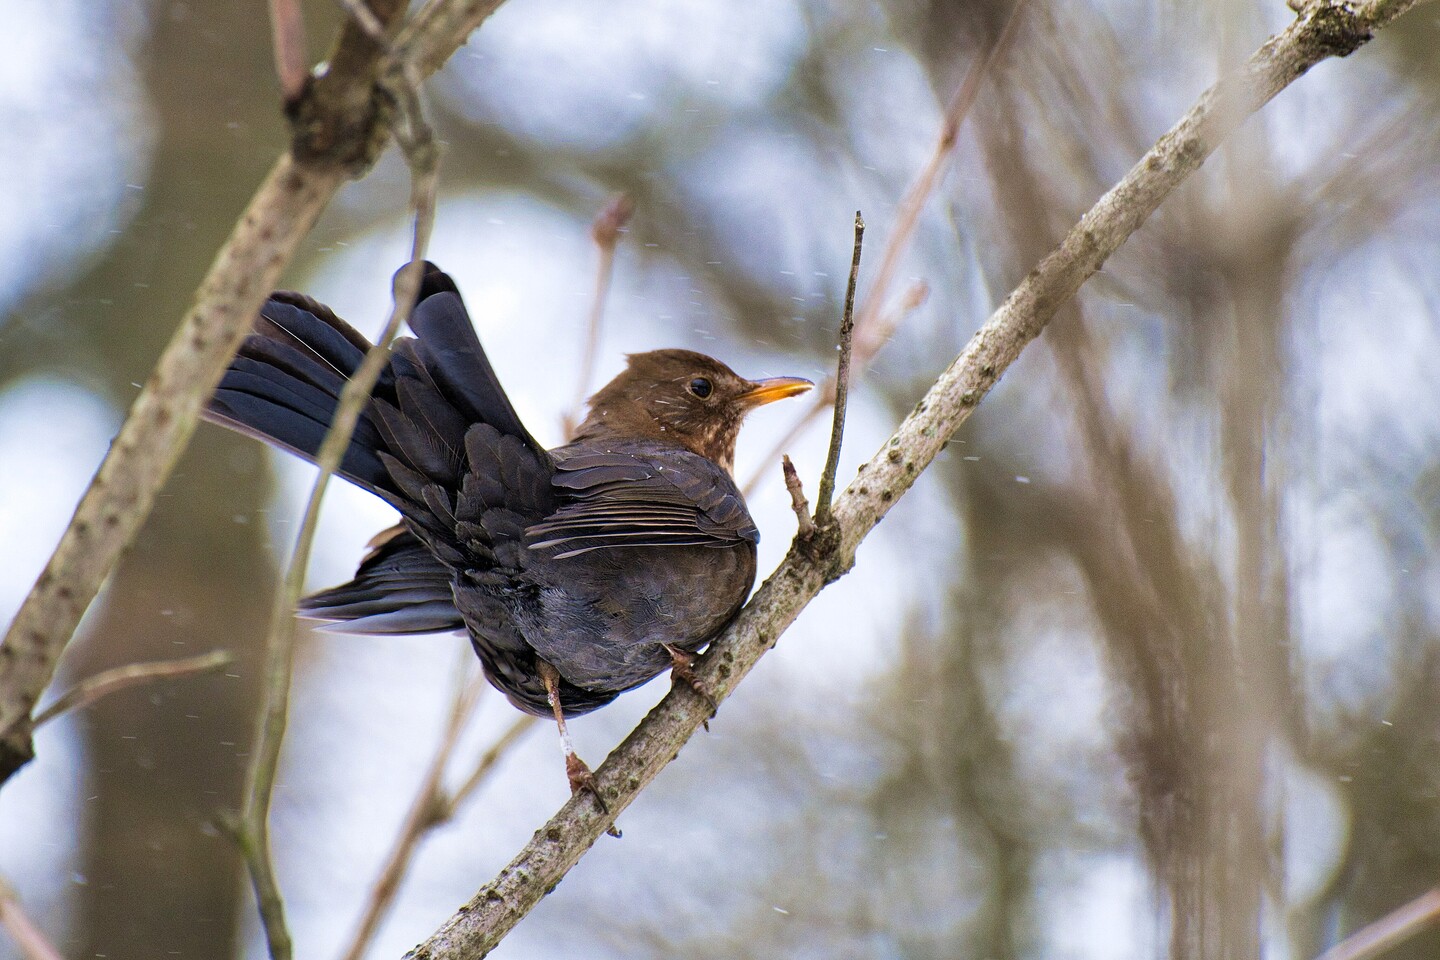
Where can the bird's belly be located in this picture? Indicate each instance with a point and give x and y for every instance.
(603, 617)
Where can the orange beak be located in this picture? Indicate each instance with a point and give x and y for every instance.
(776, 388)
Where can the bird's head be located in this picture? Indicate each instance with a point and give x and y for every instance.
(682, 397)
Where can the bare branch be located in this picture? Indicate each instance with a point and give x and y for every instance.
(1389, 931)
(27, 936)
(414, 136)
(107, 682)
(842, 382)
(1334, 29)
(159, 425)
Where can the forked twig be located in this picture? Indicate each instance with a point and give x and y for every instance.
(487, 761)
(842, 382)
(424, 813)
(433, 807)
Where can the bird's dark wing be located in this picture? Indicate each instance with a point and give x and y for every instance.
(629, 494)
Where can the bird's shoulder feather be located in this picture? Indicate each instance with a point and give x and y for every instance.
(634, 493)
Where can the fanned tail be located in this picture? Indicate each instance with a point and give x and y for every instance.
(438, 440)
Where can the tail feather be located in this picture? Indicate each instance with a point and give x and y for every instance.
(332, 341)
(449, 353)
(285, 383)
(400, 588)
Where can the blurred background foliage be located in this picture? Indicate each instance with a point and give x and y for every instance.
(1145, 666)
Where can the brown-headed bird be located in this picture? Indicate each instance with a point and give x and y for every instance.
(578, 572)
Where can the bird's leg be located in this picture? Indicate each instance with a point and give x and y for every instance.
(682, 667)
(575, 769)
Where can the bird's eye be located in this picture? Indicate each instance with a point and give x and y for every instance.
(701, 387)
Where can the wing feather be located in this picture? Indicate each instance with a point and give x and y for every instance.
(628, 494)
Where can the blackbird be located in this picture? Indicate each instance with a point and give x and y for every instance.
(578, 572)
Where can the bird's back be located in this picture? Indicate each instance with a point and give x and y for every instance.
(649, 546)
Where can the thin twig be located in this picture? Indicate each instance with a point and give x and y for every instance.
(1335, 29)
(487, 761)
(871, 330)
(804, 526)
(605, 231)
(106, 682)
(907, 215)
(1389, 931)
(428, 809)
(824, 395)
(364, 16)
(842, 382)
(287, 29)
(27, 936)
(413, 134)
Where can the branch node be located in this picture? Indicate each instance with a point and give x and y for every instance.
(805, 527)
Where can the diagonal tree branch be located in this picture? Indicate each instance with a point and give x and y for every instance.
(335, 137)
(158, 427)
(1324, 29)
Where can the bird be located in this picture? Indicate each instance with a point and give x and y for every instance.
(578, 572)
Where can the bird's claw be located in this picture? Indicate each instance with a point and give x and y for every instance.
(682, 668)
(582, 780)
